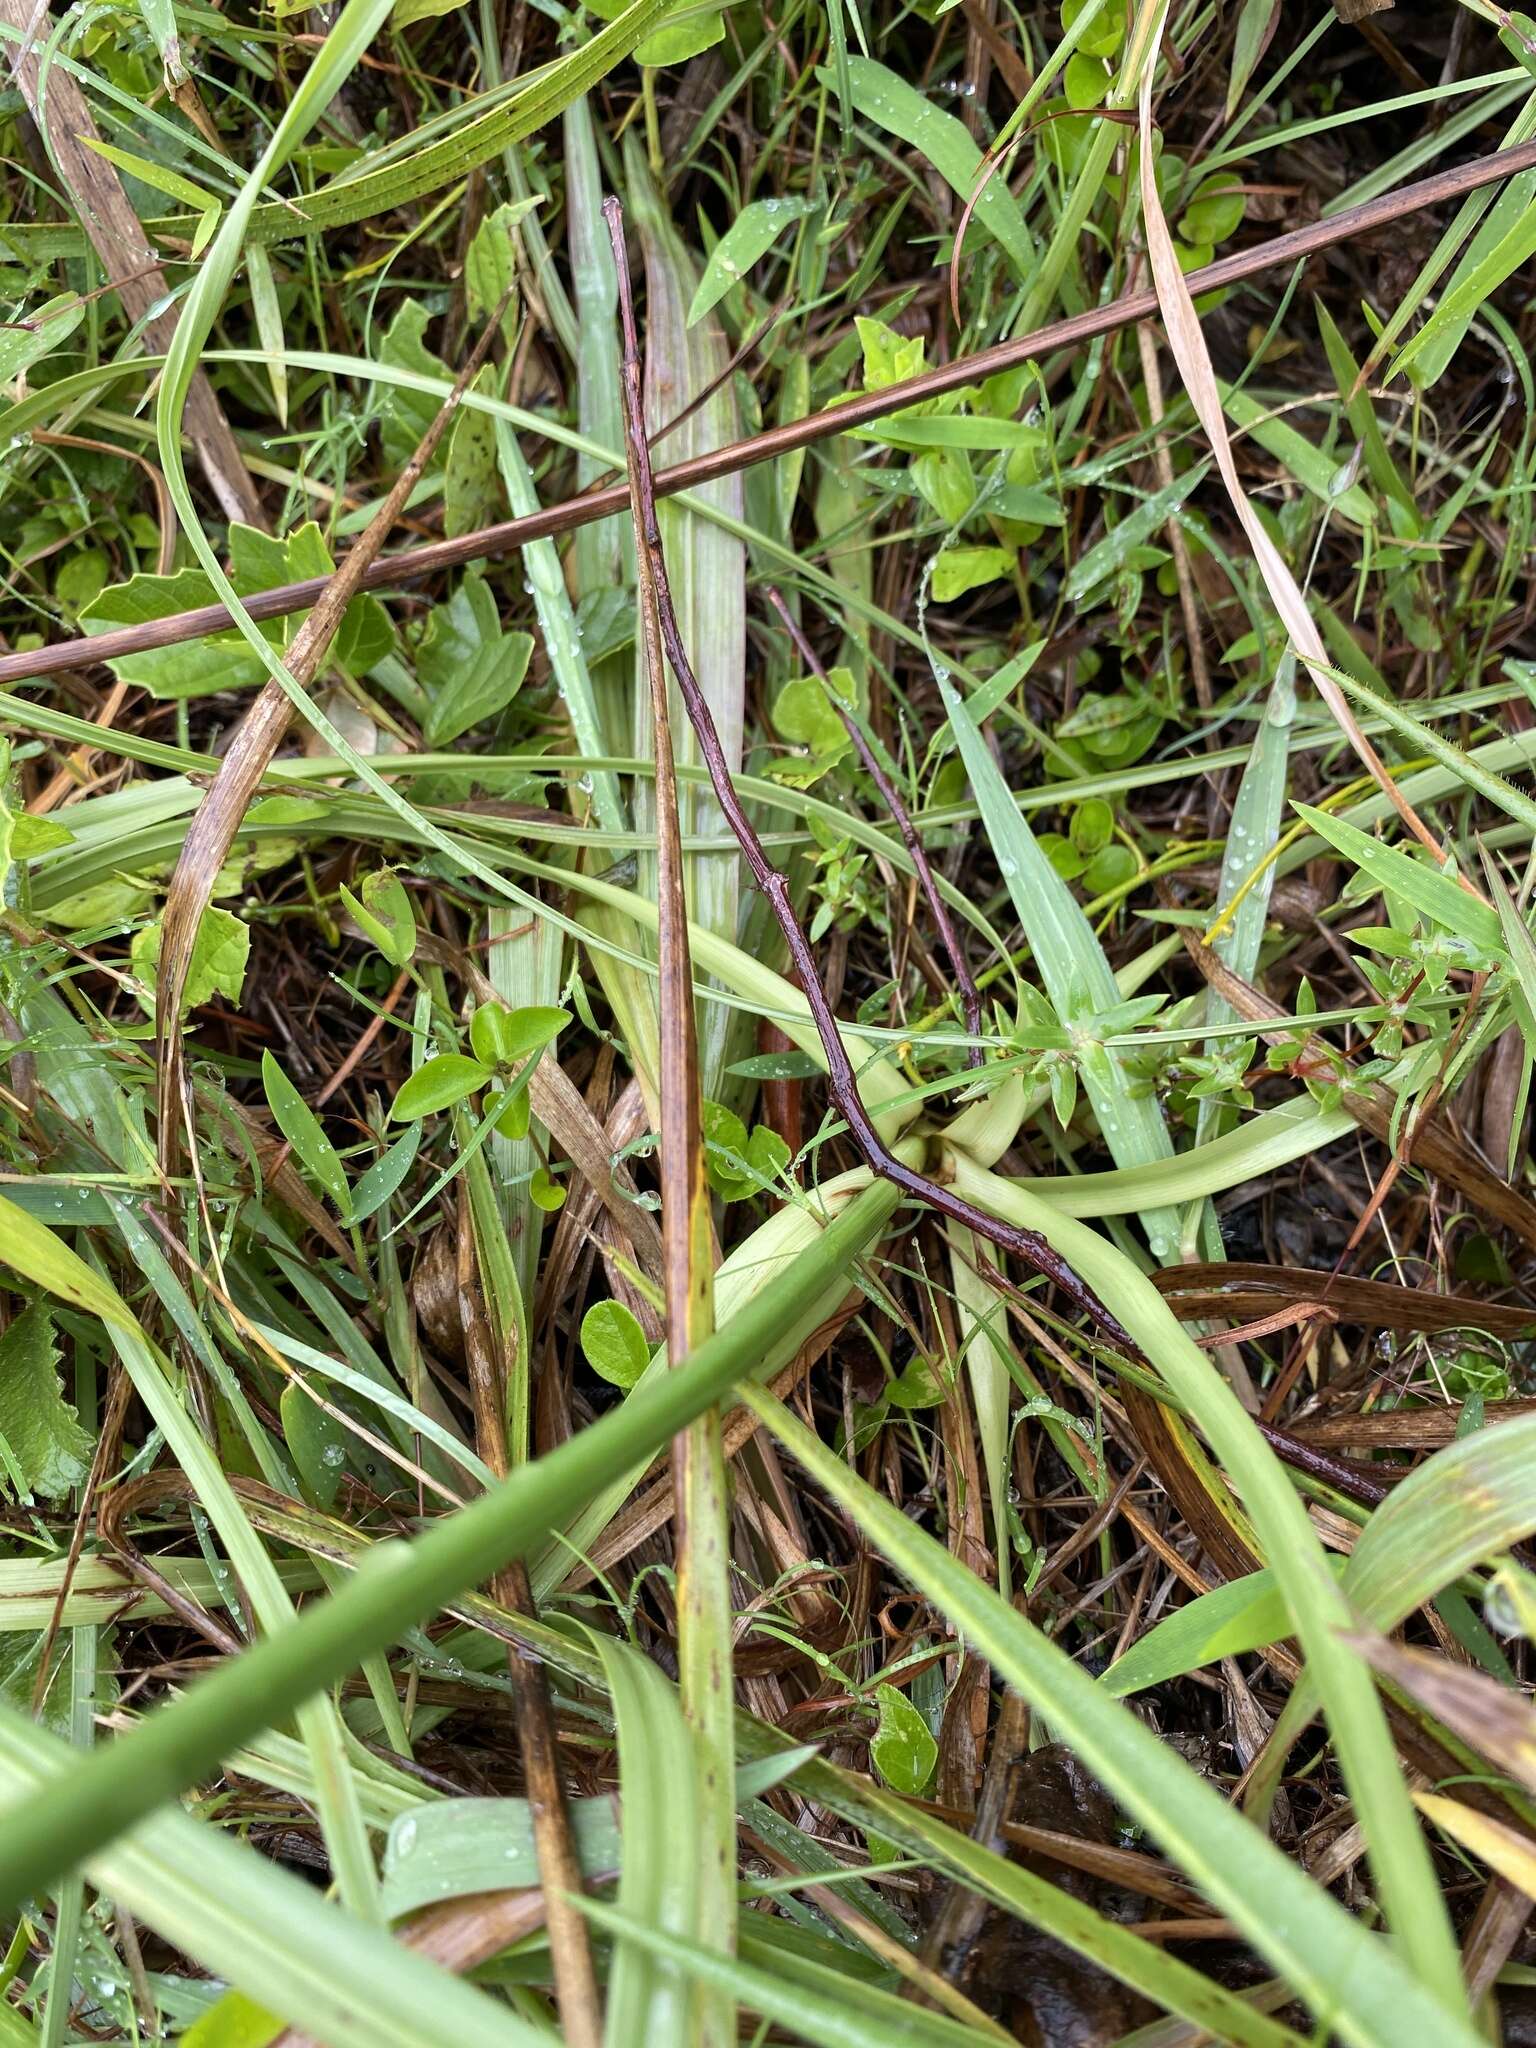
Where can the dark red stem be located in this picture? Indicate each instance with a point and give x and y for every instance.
(970, 995)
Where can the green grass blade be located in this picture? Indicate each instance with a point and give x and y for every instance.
(119, 1784)
(843, 2015)
(1262, 1145)
(1469, 1501)
(649, 1999)
(268, 1932)
(1347, 1976)
(1319, 1612)
(1071, 963)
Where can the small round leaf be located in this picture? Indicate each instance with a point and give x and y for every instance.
(613, 1343)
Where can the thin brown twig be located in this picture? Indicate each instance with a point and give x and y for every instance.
(560, 1873)
(970, 995)
(107, 1444)
(856, 411)
(1027, 1245)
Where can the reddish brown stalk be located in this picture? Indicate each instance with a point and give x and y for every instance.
(701, 1504)
(970, 995)
(682, 1151)
(857, 411)
(560, 1874)
(1027, 1245)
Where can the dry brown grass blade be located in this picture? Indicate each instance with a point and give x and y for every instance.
(1503, 1848)
(212, 832)
(1158, 1439)
(1406, 1429)
(558, 1105)
(1199, 668)
(116, 235)
(1244, 1290)
(1187, 344)
(560, 1875)
(1498, 1723)
(857, 410)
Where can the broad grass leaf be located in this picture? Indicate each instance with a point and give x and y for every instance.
(268, 315)
(1229, 1621)
(281, 1941)
(453, 1848)
(37, 1254)
(302, 1128)
(648, 1997)
(1140, 524)
(1314, 470)
(316, 1441)
(901, 110)
(1504, 241)
(1256, 23)
(745, 242)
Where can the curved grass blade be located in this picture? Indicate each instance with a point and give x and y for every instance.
(123, 1781)
(268, 1932)
(1467, 1502)
(1349, 1979)
(1319, 1612)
